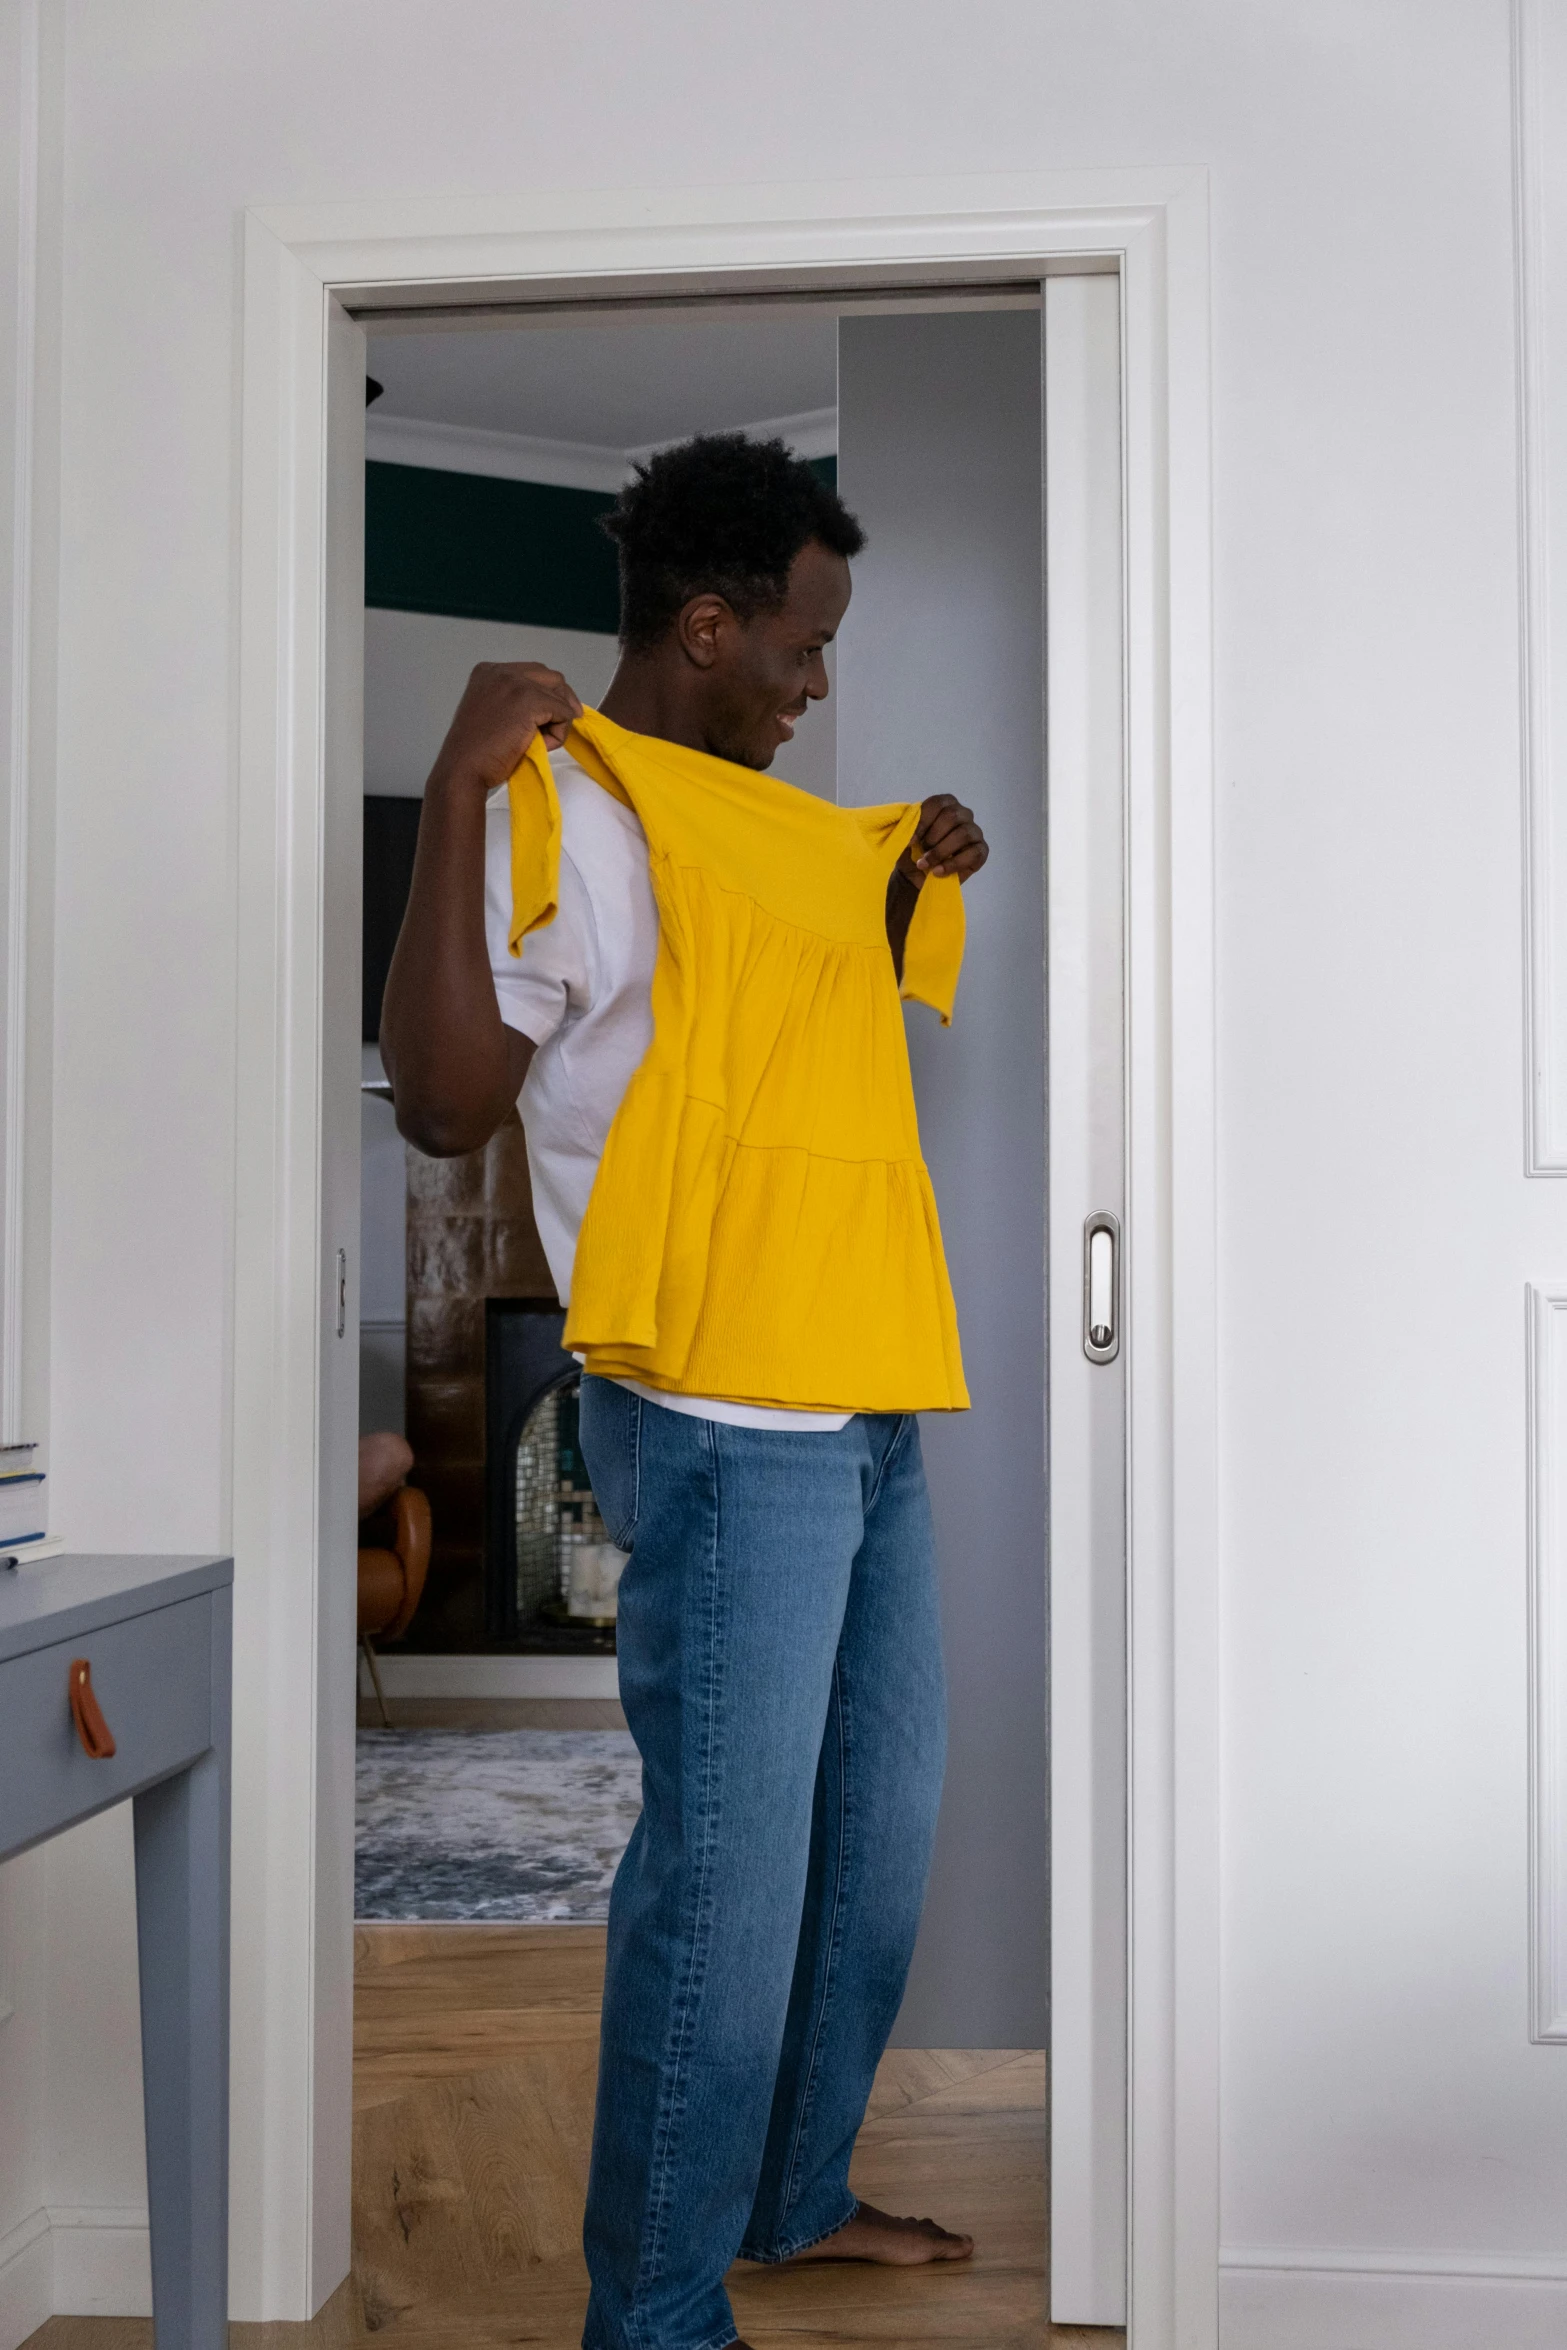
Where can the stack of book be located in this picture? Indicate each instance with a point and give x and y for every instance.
(24, 1509)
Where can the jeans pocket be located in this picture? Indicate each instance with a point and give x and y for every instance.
(609, 1425)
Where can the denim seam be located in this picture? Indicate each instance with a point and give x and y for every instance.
(834, 1945)
(904, 1425)
(783, 2252)
(636, 1470)
(673, 2101)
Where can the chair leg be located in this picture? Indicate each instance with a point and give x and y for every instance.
(375, 1676)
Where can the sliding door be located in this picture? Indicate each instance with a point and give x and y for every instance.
(1088, 1343)
(982, 652)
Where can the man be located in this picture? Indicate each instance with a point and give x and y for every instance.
(779, 1642)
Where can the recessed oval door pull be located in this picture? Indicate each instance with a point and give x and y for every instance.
(1101, 1289)
(94, 1732)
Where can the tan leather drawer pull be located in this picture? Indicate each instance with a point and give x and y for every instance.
(94, 1732)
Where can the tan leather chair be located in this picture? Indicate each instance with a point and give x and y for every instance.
(391, 1581)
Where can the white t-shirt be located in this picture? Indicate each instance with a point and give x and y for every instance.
(582, 989)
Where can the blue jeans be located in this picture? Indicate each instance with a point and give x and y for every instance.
(780, 1667)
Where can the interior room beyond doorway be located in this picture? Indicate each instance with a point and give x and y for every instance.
(408, 647)
(492, 456)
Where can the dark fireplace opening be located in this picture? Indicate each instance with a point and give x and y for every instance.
(550, 1569)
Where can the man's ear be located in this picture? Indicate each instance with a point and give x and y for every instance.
(699, 628)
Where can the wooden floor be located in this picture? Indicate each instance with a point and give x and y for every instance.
(473, 2092)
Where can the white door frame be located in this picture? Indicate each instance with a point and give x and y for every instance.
(291, 1727)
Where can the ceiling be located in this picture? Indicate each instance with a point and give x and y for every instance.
(614, 384)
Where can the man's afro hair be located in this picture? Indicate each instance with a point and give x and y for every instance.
(719, 515)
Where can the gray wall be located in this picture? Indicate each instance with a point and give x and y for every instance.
(940, 689)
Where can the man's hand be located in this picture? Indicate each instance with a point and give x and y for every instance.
(506, 704)
(947, 841)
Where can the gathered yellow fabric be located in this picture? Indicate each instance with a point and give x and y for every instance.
(762, 1226)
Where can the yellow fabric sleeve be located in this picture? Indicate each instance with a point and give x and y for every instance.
(933, 950)
(535, 844)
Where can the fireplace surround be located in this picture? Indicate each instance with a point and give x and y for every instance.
(536, 1488)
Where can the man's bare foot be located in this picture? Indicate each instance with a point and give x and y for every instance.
(891, 2243)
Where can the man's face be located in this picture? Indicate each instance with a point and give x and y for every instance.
(760, 674)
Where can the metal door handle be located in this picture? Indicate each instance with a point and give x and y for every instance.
(1101, 1288)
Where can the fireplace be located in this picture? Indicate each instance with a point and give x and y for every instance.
(549, 1567)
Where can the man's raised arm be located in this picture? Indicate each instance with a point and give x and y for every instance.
(456, 1069)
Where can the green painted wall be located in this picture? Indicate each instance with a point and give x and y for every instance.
(478, 548)
(482, 549)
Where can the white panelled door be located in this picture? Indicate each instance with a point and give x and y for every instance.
(1088, 1345)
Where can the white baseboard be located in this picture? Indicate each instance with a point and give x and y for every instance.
(102, 2262)
(1391, 2301)
(26, 2279)
(495, 1676)
(73, 2261)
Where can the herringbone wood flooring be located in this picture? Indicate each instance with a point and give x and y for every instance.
(473, 2092)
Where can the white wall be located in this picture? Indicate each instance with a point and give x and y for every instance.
(30, 142)
(1385, 2112)
(26, 2278)
(417, 663)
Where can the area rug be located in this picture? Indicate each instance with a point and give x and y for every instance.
(523, 1827)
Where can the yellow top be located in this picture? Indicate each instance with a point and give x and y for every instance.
(762, 1226)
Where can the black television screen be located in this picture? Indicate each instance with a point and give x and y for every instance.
(391, 831)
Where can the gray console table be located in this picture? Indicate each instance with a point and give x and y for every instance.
(114, 1682)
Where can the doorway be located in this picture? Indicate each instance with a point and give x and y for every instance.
(287, 313)
(934, 421)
